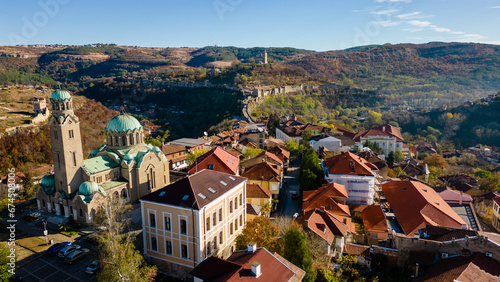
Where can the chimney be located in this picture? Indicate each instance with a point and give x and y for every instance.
(322, 208)
(383, 128)
(256, 269)
(416, 270)
(252, 247)
(461, 195)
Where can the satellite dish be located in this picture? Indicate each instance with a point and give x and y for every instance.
(205, 133)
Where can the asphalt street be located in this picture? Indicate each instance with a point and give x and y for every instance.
(286, 205)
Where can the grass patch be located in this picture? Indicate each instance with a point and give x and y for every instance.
(29, 218)
(70, 233)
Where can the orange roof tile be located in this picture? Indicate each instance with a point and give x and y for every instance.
(416, 204)
(348, 163)
(257, 191)
(263, 171)
(324, 197)
(325, 225)
(217, 159)
(374, 219)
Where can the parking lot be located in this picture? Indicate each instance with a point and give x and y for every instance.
(51, 268)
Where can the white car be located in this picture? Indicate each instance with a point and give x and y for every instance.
(67, 250)
(76, 255)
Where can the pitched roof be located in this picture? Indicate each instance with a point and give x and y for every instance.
(257, 191)
(325, 224)
(196, 190)
(188, 142)
(263, 171)
(359, 250)
(253, 209)
(296, 128)
(443, 234)
(269, 155)
(217, 159)
(324, 197)
(416, 204)
(299, 272)
(272, 268)
(98, 164)
(381, 130)
(349, 163)
(280, 151)
(374, 219)
(477, 267)
(170, 149)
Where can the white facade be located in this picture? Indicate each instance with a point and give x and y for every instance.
(360, 188)
(331, 143)
(283, 136)
(385, 143)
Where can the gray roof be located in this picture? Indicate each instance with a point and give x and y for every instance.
(188, 142)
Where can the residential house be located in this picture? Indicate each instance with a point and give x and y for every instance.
(355, 173)
(191, 144)
(244, 143)
(452, 196)
(462, 182)
(484, 204)
(259, 201)
(328, 227)
(266, 175)
(248, 265)
(331, 197)
(375, 222)
(257, 134)
(416, 205)
(262, 157)
(329, 142)
(192, 219)
(177, 155)
(294, 130)
(216, 159)
(476, 267)
(361, 252)
(282, 153)
(387, 137)
(274, 142)
(495, 216)
(381, 164)
(15, 181)
(235, 153)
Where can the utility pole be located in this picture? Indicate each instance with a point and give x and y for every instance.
(45, 232)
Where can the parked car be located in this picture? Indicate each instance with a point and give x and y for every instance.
(93, 267)
(67, 250)
(76, 255)
(295, 195)
(54, 249)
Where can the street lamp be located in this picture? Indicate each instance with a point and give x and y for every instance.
(45, 232)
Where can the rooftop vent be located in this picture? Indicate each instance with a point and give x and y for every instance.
(256, 269)
(185, 197)
(202, 196)
(162, 193)
(232, 178)
(211, 190)
(223, 183)
(252, 247)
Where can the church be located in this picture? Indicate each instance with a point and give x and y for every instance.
(124, 167)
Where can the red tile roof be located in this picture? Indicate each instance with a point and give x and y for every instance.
(349, 163)
(257, 191)
(269, 155)
(374, 219)
(263, 171)
(416, 204)
(195, 191)
(358, 250)
(216, 159)
(271, 268)
(324, 197)
(325, 224)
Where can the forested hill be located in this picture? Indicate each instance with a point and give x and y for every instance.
(436, 70)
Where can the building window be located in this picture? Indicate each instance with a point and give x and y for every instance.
(74, 158)
(214, 218)
(167, 223)
(236, 224)
(209, 249)
(154, 246)
(208, 223)
(235, 204)
(211, 166)
(152, 220)
(220, 238)
(55, 135)
(43, 203)
(81, 213)
(58, 160)
(231, 206)
(116, 141)
(241, 219)
(215, 243)
(183, 226)
(71, 134)
(184, 249)
(241, 200)
(220, 214)
(231, 229)
(375, 236)
(169, 247)
(124, 140)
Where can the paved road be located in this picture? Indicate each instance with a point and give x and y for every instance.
(51, 268)
(288, 206)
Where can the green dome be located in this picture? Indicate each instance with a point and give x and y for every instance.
(48, 184)
(88, 188)
(156, 149)
(60, 95)
(123, 123)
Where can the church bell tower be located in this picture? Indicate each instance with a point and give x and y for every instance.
(66, 141)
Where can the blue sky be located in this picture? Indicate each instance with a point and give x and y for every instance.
(313, 24)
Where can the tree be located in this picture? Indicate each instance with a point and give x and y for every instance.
(398, 155)
(390, 157)
(252, 152)
(436, 161)
(273, 123)
(4, 259)
(311, 174)
(292, 146)
(121, 260)
(295, 251)
(191, 157)
(304, 140)
(261, 231)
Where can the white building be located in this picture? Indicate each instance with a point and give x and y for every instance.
(387, 137)
(331, 143)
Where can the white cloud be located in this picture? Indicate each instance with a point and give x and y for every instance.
(471, 37)
(413, 15)
(385, 12)
(495, 7)
(387, 23)
(419, 23)
(441, 29)
(413, 29)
